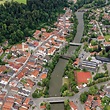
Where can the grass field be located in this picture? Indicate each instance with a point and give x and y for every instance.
(19, 1)
(65, 81)
(107, 38)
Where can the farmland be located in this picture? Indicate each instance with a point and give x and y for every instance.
(19, 1)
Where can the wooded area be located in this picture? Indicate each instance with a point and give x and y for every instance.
(18, 21)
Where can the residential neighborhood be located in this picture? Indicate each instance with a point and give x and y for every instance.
(64, 66)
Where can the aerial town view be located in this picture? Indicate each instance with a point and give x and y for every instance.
(54, 54)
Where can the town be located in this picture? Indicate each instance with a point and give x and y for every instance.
(27, 69)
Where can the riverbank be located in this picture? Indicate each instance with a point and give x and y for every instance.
(56, 77)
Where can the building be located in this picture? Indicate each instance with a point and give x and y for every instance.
(89, 65)
(73, 106)
(82, 77)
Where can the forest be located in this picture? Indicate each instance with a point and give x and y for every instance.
(18, 21)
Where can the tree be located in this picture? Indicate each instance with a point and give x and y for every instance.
(93, 90)
(83, 97)
(18, 21)
(89, 59)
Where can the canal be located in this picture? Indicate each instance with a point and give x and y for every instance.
(56, 77)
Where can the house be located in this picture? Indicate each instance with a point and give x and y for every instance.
(101, 38)
(14, 89)
(29, 84)
(73, 106)
(51, 51)
(18, 99)
(37, 34)
(34, 74)
(5, 80)
(21, 59)
(7, 105)
(2, 97)
(26, 102)
(76, 62)
(24, 92)
(42, 50)
(1, 51)
(20, 75)
(106, 44)
(42, 107)
(22, 108)
(82, 77)
(43, 76)
(106, 16)
(13, 83)
(31, 64)
(2, 69)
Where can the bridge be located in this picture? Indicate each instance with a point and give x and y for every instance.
(76, 44)
(65, 57)
(55, 99)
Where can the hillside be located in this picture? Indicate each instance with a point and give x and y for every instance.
(19, 20)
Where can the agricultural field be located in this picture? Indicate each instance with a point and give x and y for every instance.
(19, 1)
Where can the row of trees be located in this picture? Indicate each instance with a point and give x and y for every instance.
(18, 21)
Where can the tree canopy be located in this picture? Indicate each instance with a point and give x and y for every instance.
(18, 21)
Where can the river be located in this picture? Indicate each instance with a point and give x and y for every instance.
(56, 77)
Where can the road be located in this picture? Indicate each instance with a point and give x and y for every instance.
(74, 98)
(106, 1)
(99, 28)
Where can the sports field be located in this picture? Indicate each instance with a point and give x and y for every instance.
(19, 1)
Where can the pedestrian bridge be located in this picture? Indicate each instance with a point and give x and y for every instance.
(75, 44)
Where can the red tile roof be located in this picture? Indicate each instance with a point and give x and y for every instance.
(100, 37)
(76, 62)
(2, 68)
(35, 73)
(26, 102)
(20, 75)
(43, 76)
(43, 107)
(72, 105)
(82, 77)
(7, 105)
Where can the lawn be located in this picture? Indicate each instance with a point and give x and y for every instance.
(108, 107)
(65, 81)
(19, 1)
(107, 38)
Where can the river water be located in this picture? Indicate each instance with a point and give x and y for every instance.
(56, 77)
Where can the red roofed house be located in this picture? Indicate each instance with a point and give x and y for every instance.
(2, 69)
(76, 62)
(35, 73)
(20, 75)
(42, 107)
(82, 77)
(43, 76)
(106, 44)
(101, 38)
(26, 102)
(37, 34)
(51, 51)
(73, 106)
(1, 51)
